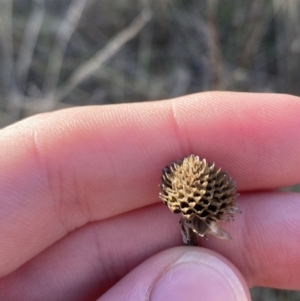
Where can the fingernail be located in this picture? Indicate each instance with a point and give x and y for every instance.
(199, 276)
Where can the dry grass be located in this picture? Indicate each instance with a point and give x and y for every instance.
(58, 53)
(79, 52)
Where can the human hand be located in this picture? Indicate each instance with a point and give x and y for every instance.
(80, 208)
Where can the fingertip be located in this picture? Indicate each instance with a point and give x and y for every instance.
(184, 273)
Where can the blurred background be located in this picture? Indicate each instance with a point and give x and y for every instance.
(62, 53)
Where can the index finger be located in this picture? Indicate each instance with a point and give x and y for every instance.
(62, 170)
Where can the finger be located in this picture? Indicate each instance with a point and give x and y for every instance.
(182, 274)
(266, 240)
(87, 262)
(90, 260)
(62, 170)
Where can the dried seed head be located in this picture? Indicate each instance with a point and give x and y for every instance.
(202, 194)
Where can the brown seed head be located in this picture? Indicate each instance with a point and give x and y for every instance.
(203, 195)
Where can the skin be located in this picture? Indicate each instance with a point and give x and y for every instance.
(80, 216)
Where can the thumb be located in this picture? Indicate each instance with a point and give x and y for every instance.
(183, 273)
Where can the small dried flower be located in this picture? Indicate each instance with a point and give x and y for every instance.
(203, 195)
